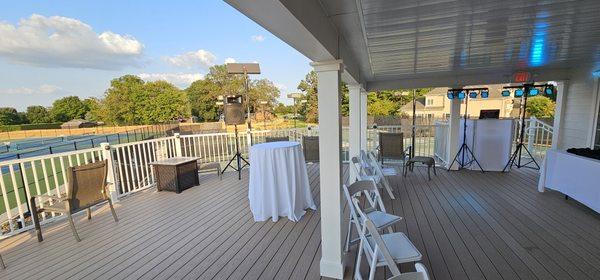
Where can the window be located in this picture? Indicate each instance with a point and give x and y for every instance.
(429, 102)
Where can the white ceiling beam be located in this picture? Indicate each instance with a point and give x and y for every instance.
(304, 26)
(451, 80)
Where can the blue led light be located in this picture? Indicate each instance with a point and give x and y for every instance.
(534, 92)
(450, 94)
(473, 94)
(486, 93)
(506, 93)
(462, 94)
(549, 90)
(518, 92)
(537, 52)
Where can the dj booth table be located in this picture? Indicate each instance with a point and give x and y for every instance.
(491, 142)
(572, 175)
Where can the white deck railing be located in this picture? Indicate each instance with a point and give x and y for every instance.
(537, 137)
(21, 179)
(130, 169)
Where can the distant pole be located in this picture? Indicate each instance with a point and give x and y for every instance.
(414, 117)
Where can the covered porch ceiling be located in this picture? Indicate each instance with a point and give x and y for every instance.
(388, 44)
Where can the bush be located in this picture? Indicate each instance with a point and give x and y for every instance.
(5, 128)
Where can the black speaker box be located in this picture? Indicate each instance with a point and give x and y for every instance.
(234, 113)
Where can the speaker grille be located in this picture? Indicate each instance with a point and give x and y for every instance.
(234, 113)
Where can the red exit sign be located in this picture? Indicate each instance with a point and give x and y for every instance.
(521, 77)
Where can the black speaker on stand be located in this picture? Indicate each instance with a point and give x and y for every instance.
(234, 115)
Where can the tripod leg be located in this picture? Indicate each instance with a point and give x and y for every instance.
(532, 158)
(228, 165)
(239, 166)
(474, 158)
(456, 160)
(510, 160)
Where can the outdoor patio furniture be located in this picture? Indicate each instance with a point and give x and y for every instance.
(382, 249)
(375, 210)
(210, 167)
(391, 147)
(279, 185)
(378, 177)
(176, 174)
(419, 274)
(276, 138)
(86, 187)
(429, 161)
(310, 146)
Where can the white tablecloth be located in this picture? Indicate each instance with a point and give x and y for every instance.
(279, 185)
(576, 176)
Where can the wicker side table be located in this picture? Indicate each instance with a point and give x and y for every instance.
(176, 174)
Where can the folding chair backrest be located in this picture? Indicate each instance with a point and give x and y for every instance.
(378, 172)
(356, 165)
(277, 138)
(391, 145)
(379, 246)
(310, 145)
(86, 184)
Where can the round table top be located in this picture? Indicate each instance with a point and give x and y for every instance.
(275, 145)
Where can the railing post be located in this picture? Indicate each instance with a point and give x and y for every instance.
(531, 134)
(110, 177)
(249, 138)
(178, 151)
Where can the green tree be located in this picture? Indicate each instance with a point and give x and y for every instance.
(202, 98)
(540, 107)
(38, 114)
(68, 108)
(130, 100)
(9, 116)
(309, 87)
(281, 109)
(93, 106)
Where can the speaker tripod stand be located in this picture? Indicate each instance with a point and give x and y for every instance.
(515, 158)
(464, 148)
(237, 157)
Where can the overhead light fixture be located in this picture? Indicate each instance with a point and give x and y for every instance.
(549, 90)
(462, 94)
(506, 93)
(485, 93)
(518, 92)
(534, 91)
(473, 94)
(450, 94)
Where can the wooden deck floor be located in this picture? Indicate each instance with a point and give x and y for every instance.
(468, 225)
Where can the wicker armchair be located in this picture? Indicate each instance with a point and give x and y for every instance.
(277, 138)
(310, 145)
(391, 147)
(86, 187)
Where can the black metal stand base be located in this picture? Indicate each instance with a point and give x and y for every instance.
(464, 148)
(515, 159)
(238, 158)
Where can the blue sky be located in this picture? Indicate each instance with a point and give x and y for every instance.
(97, 41)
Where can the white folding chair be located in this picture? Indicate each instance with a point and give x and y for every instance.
(420, 274)
(358, 168)
(371, 158)
(382, 249)
(379, 177)
(375, 210)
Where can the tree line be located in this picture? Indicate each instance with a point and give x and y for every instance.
(129, 100)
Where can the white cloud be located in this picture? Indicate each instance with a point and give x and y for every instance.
(178, 79)
(230, 60)
(43, 89)
(257, 38)
(281, 87)
(66, 42)
(199, 58)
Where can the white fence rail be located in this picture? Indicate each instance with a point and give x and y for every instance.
(23, 178)
(537, 136)
(441, 141)
(131, 170)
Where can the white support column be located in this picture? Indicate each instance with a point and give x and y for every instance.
(178, 150)
(110, 176)
(453, 133)
(355, 132)
(330, 167)
(363, 120)
(561, 92)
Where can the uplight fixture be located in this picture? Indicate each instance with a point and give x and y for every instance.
(485, 93)
(534, 91)
(473, 94)
(506, 93)
(549, 90)
(462, 94)
(450, 94)
(518, 92)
